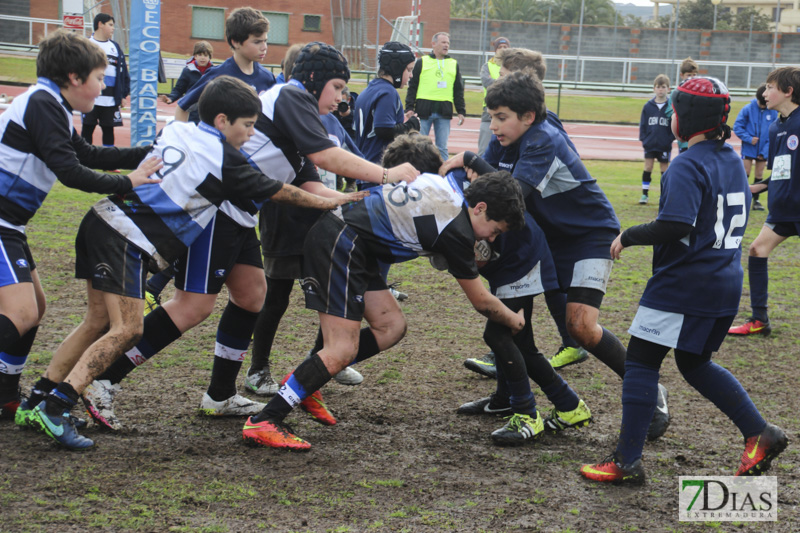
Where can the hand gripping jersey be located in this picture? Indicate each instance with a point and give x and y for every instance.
(201, 171)
(403, 221)
(701, 275)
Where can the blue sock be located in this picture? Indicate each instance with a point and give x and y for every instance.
(758, 274)
(233, 339)
(639, 396)
(561, 395)
(723, 390)
(521, 397)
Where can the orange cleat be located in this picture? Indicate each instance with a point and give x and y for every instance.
(315, 406)
(273, 435)
(760, 450)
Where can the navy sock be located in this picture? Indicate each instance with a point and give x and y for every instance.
(310, 376)
(557, 305)
(639, 397)
(646, 179)
(758, 275)
(233, 338)
(159, 332)
(40, 389)
(723, 390)
(611, 352)
(561, 395)
(367, 345)
(62, 398)
(521, 397)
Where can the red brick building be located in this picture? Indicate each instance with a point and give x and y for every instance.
(291, 21)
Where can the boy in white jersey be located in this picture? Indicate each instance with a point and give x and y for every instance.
(118, 84)
(121, 235)
(342, 279)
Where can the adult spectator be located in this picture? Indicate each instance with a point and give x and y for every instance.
(435, 87)
(490, 71)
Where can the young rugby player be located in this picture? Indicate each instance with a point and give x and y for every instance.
(693, 296)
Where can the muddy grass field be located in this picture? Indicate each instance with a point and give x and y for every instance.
(399, 459)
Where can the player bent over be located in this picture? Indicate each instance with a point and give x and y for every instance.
(692, 298)
(342, 279)
(121, 235)
(519, 267)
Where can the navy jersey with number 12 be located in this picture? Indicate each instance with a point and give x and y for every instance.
(701, 275)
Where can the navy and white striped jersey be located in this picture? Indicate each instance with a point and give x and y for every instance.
(402, 221)
(288, 128)
(201, 171)
(701, 274)
(38, 144)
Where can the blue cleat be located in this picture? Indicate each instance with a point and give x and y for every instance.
(22, 418)
(60, 428)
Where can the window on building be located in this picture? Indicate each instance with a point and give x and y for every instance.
(278, 27)
(208, 23)
(312, 22)
(775, 15)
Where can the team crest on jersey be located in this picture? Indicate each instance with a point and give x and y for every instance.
(791, 142)
(22, 263)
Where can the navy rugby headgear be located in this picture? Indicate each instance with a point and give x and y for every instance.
(324, 61)
(393, 59)
(701, 104)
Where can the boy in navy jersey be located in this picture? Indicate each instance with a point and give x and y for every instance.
(246, 31)
(342, 279)
(123, 236)
(39, 145)
(655, 133)
(693, 296)
(570, 352)
(782, 95)
(567, 204)
(519, 267)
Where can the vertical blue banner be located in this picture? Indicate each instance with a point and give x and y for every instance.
(145, 43)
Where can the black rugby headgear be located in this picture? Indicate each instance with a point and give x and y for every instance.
(701, 104)
(393, 59)
(325, 61)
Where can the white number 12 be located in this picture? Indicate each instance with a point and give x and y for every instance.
(737, 221)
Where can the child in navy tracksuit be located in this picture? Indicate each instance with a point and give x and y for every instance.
(190, 75)
(752, 127)
(655, 133)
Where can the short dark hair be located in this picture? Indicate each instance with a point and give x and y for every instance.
(413, 148)
(689, 65)
(514, 59)
(230, 96)
(244, 22)
(784, 78)
(203, 47)
(519, 91)
(503, 197)
(101, 17)
(661, 79)
(760, 94)
(63, 53)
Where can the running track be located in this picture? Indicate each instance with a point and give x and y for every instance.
(593, 141)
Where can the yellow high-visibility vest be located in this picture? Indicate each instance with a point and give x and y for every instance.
(433, 72)
(494, 72)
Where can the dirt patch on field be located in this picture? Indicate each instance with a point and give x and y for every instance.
(399, 459)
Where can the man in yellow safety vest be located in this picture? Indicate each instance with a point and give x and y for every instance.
(436, 86)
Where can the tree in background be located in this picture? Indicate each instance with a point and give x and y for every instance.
(595, 12)
(741, 20)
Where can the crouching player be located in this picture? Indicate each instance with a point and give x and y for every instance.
(342, 279)
(121, 235)
(693, 296)
(519, 267)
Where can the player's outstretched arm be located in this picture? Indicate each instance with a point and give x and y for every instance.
(342, 162)
(289, 194)
(490, 306)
